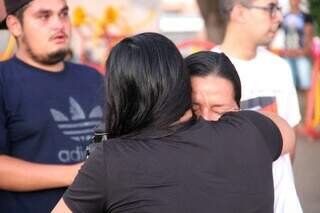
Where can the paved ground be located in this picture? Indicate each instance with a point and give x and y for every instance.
(307, 174)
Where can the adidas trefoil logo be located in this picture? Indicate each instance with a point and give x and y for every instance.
(78, 127)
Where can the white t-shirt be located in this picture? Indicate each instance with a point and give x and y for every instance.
(285, 195)
(267, 84)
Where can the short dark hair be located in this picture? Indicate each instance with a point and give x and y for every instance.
(226, 7)
(205, 63)
(15, 8)
(20, 13)
(148, 85)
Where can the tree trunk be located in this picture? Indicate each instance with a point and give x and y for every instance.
(214, 23)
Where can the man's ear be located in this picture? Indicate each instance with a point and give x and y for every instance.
(14, 26)
(237, 13)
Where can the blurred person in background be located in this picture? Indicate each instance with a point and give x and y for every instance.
(47, 108)
(266, 78)
(5, 48)
(3, 13)
(298, 35)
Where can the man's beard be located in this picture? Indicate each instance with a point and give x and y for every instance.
(48, 59)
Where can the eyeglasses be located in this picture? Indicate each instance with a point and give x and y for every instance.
(272, 8)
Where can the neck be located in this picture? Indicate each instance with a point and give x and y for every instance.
(58, 67)
(238, 45)
(295, 10)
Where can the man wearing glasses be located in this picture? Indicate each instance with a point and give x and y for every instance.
(266, 79)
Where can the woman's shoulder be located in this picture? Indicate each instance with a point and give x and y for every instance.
(243, 117)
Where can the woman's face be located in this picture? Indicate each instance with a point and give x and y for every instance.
(212, 96)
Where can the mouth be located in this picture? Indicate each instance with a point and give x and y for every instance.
(60, 38)
(273, 31)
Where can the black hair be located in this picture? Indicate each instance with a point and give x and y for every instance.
(148, 85)
(206, 63)
(19, 14)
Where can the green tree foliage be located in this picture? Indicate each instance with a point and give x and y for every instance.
(315, 13)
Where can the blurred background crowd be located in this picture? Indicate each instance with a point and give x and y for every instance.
(194, 25)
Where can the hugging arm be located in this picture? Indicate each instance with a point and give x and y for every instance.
(287, 132)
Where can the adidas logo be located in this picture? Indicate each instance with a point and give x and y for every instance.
(78, 127)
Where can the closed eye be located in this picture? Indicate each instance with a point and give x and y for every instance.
(195, 107)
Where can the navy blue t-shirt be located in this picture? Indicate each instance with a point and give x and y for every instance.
(46, 117)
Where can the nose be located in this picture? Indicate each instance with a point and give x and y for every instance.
(59, 22)
(205, 113)
(208, 115)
